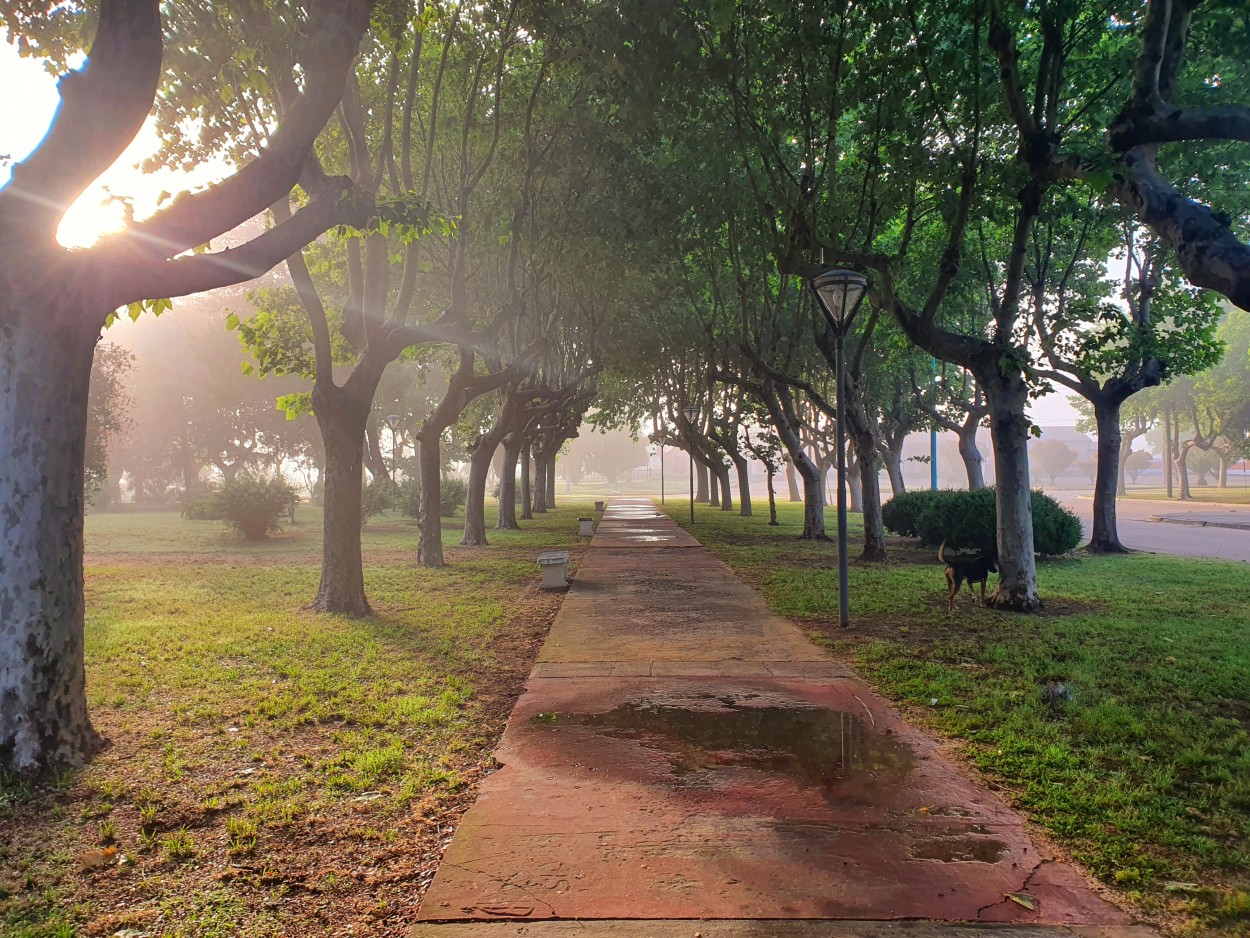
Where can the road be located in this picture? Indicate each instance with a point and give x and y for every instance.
(1138, 531)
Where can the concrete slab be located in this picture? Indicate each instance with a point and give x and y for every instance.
(674, 758)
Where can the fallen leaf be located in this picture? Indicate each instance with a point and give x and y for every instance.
(1024, 899)
(1170, 886)
(94, 859)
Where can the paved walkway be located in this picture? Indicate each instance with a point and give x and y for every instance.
(680, 753)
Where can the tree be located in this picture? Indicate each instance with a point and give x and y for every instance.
(1136, 462)
(108, 416)
(1053, 457)
(47, 291)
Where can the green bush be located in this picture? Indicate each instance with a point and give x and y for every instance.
(201, 506)
(408, 497)
(968, 520)
(377, 497)
(452, 494)
(253, 506)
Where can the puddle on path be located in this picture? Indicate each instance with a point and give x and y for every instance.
(818, 748)
(960, 850)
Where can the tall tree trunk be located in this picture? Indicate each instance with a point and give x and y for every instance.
(701, 482)
(45, 369)
(726, 496)
(772, 498)
(341, 417)
(507, 484)
(713, 487)
(430, 519)
(1105, 537)
(743, 469)
(1224, 460)
(475, 497)
(854, 485)
(1168, 451)
(1009, 428)
(870, 487)
(540, 483)
(894, 469)
(792, 483)
(527, 495)
(1121, 477)
(970, 453)
(1182, 470)
(373, 455)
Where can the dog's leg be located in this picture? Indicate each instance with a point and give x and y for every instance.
(952, 590)
(983, 582)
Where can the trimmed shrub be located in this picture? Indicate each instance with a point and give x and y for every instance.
(967, 521)
(253, 506)
(452, 494)
(378, 496)
(408, 497)
(201, 506)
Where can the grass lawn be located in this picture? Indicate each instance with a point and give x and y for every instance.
(1143, 775)
(271, 771)
(1201, 494)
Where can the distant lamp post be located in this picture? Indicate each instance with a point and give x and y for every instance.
(392, 421)
(691, 414)
(839, 293)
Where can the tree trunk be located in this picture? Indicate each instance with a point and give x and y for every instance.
(792, 483)
(540, 483)
(894, 469)
(475, 497)
(772, 499)
(1223, 482)
(713, 487)
(1009, 428)
(45, 369)
(1168, 451)
(701, 482)
(373, 455)
(527, 496)
(1105, 537)
(430, 519)
(507, 484)
(342, 423)
(1182, 470)
(970, 453)
(743, 469)
(870, 487)
(726, 496)
(855, 488)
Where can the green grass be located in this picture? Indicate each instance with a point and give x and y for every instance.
(1144, 775)
(252, 736)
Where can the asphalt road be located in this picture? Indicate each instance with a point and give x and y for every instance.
(1161, 537)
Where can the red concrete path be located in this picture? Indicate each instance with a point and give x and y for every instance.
(681, 753)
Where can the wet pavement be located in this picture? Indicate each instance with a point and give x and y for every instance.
(680, 753)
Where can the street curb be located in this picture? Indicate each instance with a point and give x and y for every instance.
(1195, 523)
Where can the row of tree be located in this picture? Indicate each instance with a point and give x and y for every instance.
(558, 203)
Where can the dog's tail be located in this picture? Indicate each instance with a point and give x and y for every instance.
(942, 553)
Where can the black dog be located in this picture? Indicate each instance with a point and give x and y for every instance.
(960, 570)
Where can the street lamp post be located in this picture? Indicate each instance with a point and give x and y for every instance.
(392, 421)
(839, 293)
(691, 413)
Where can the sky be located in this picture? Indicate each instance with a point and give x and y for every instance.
(26, 106)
